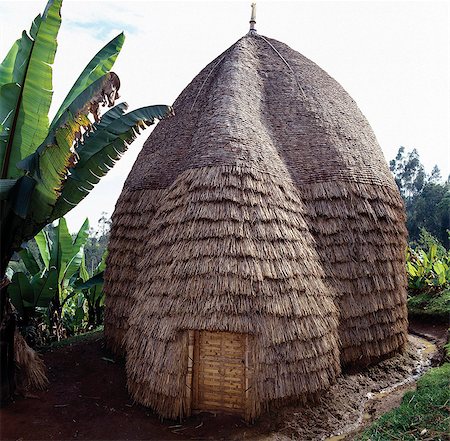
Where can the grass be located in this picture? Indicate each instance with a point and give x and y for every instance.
(432, 306)
(423, 414)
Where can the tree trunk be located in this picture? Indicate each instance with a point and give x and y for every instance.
(7, 330)
(7, 317)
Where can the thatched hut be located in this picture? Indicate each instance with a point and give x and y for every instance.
(258, 245)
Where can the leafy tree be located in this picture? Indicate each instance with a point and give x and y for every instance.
(50, 284)
(92, 290)
(430, 209)
(435, 177)
(97, 243)
(48, 167)
(52, 292)
(427, 199)
(408, 172)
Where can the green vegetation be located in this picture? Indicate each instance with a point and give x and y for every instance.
(48, 166)
(432, 307)
(428, 270)
(427, 199)
(53, 292)
(427, 202)
(423, 413)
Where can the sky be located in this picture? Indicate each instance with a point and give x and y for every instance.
(391, 56)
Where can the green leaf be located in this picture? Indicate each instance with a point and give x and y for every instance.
(29, 261)
(14, 67)
(425, 259)
(433, 251)
(43, 243)
(71, 251)
(96, 68)
(439, 268)
(411, 269)
(7, 66)
(20, 292)
(71, 267)
(9, 97)
(45, 288)
(5, 187)
(50, 163)
(62, 240)
(100, 152)
(21, 195)
(30, 124)
(102, 265)
(62, 246)
(93, 281)
(83, 274)
(109, 116)
(74, 265)
(82, 235)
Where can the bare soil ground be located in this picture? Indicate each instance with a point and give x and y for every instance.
(87, 400)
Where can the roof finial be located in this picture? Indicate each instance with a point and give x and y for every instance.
(253, 20)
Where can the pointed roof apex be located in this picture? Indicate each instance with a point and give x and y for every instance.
(253, 20)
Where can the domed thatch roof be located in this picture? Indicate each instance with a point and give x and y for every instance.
(264, 208)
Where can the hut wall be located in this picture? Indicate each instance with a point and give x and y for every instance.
(132, 214)
(229, 250)
(361, 238)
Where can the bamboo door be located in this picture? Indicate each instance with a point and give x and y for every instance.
(219, 372)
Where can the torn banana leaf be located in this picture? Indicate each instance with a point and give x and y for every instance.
(100, 152)
(101, 64)
(50, 163)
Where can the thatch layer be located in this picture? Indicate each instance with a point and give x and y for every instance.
(360, 234)
(264, 207)
(133, 212)
(248, 106)
(281, 301)
(30, 369)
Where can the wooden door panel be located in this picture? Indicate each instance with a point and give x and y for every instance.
(219, 372)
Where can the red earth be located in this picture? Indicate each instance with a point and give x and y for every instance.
(87, 399)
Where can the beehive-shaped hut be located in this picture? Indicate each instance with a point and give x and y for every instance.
(257, 247)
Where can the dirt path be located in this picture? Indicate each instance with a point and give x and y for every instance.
(87, 400)
(435, 332)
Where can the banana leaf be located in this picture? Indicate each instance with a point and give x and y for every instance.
(109, 116)
(5, 187)
(100, 152)
(50, 163)
(29, 261)
(14, 67)
(20, 195)
(100, 65)
(45, 287)
(90, 283)
(7, 66)
(21, 293)
(29, 126)
(72, 251)
(43, 243)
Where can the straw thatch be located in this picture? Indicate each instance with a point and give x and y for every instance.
(264, 207)
(30, 369)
